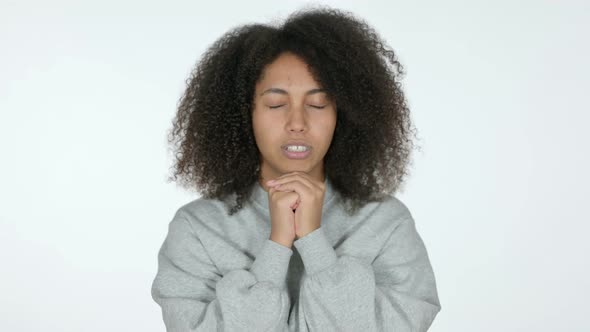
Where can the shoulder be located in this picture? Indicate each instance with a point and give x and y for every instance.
(388, 209)
(202, 211)
(394, 206)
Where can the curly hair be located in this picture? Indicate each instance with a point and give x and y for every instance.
(212, 136)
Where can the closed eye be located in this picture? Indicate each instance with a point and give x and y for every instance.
(314, 106)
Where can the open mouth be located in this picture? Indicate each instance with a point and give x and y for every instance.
(295, 154)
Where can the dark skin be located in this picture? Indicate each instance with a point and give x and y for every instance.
(291, 105)
(307, 204)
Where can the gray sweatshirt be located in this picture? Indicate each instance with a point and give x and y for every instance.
(368, 272)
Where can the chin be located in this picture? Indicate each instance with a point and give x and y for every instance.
(298, 169)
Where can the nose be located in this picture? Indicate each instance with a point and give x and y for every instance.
(297, 120)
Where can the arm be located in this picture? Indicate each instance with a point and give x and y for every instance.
(194, 297)
(397, 292)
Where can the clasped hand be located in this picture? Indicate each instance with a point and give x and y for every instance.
(307, 205)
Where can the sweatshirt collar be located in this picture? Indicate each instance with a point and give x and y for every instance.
(260, 196)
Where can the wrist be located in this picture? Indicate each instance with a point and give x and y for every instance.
(282, 242)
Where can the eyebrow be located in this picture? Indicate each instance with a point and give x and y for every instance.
(283, 92)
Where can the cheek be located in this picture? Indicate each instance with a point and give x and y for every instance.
(327, 127)
(265, 132)
(327, 122)
(259, 131)
(263, 119)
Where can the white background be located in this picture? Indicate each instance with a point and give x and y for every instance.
(498, 92)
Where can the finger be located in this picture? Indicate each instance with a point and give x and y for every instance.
(293, 177)
(296, 186)
(296, 173)
(271, 191)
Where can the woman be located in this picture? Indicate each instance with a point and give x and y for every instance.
(296, 136)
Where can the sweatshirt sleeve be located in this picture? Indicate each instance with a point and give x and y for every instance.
(193, 296)
(397, 292)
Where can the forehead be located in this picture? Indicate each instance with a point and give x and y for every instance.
(287, 71)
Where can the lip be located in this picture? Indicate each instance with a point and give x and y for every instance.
(295, 142)
(296, 155)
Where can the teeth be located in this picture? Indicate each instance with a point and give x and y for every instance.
(297, 148)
